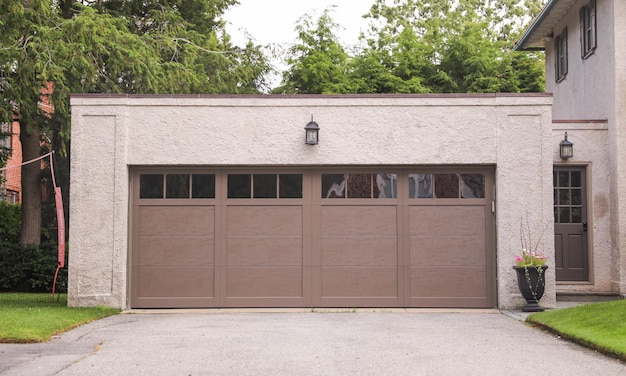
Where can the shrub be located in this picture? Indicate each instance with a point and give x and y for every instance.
(11, 215)
(30, 269)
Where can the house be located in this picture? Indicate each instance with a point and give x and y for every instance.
(221, 201)
(585, 53)
(405, 201)
(11, 175)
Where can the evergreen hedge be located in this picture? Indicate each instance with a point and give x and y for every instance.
(26, 269)
(30, 269)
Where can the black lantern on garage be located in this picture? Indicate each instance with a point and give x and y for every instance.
(312, 130)
(566, 148)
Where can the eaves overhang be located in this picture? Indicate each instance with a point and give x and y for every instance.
(541, 30)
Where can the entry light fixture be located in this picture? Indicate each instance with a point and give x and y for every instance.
(566, 148)
(312, 130)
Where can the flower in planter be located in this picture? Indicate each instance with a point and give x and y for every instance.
(530, 259)
(530, 267)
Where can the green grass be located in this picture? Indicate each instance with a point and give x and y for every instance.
(37, 319)
(599, 326)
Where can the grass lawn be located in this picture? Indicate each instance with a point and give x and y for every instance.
(599, 326)
(38, 319)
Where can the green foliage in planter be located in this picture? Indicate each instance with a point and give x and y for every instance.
(30, 269)
(10, 224)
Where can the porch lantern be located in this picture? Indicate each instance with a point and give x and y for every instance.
(312, 132)
(566, 149)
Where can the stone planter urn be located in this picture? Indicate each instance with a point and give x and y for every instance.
(531, 283)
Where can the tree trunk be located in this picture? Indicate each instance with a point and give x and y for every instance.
(31, 186)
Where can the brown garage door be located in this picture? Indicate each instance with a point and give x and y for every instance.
(401, 237)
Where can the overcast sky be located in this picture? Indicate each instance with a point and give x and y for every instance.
(274, 21)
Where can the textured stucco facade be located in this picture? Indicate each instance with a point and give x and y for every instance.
(111, 134)
(590, 104)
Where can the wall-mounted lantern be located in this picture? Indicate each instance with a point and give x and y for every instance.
(566, 148)
(312, 132)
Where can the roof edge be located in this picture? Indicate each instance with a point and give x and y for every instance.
(519, 45)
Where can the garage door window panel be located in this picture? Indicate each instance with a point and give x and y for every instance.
(239, 186)
(265, 185)
(151, 186)
(472, 185)
(290, 185)
(420, 185)
(334, 185)
(364, 186)
(177, 186)
(203, 186)
(446, 186)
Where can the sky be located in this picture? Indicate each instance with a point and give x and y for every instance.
(274, 21)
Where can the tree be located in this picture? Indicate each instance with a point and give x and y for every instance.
(449, 46)
(317, 64)
(49, 49)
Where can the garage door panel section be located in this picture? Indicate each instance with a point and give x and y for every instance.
(178, 282)
(359, 255)
(264, 253)
(197, 250)
(448, 282)
(447, 219)
(174, 264)
(175, 220)
(362, 282)
(264, 282)
(450, 250)
(448, 256)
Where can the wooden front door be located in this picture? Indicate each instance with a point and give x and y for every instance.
(570, 224)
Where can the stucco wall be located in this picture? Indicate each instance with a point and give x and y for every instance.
(618, 135)
(595, 89)
(583, 92)
(590, 140)
(112, 133)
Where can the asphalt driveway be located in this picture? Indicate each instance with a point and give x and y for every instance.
(306, 343)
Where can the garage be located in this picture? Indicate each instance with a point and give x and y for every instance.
(225, 201)
(384, 236)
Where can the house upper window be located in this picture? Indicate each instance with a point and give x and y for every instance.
(588, 29)
(560, 53)
(5, 138)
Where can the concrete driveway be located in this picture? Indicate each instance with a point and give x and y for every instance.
(362, 342)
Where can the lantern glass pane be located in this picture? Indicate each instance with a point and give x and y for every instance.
(567, 151)
(311, 136)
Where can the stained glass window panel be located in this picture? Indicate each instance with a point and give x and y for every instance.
(446, 185)
(333, 185)
(420, 185)
(359, 186)
(472, 185)
(386, 186)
